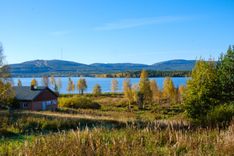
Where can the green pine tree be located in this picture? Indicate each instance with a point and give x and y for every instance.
(226, 75)
(202, 90)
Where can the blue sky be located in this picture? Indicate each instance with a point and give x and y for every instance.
(111, 31)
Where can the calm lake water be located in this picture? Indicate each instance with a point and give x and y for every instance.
(105, 83)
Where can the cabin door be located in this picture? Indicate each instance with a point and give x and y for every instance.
(44, 105)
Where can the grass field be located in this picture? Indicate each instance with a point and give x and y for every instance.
(111, 130)
(125, 141)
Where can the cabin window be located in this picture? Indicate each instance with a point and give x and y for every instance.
(54, 102)
(25, 105)
(48, 103)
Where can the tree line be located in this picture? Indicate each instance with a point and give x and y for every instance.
(151, 73)
(148, 92)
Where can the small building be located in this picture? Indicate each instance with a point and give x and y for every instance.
(36, 98)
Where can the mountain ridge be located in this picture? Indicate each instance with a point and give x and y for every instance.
(64, 67)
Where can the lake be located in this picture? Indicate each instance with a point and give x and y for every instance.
(105, 83)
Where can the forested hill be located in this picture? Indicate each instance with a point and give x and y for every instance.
(68, 68)
(174, 65)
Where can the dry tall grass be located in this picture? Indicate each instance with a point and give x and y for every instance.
(81, 113)
(131, 141)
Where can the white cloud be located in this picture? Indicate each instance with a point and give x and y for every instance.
(131, 23)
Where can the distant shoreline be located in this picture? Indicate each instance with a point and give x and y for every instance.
(15, 77)
(130, 74)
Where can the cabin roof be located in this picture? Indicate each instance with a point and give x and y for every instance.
(27, 94)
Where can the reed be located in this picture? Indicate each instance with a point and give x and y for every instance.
(130, 141)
